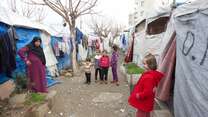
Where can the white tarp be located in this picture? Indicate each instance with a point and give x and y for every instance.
(138, 47)
(167, 35)
(51, 60)
(14, 19)
(4, 16)
(144, 44)
(191, 90)
(158, 7)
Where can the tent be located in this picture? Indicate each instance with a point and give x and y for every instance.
(26, 30)
(149, 38)
(190, 92)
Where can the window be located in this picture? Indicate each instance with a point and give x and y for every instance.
(158, 26)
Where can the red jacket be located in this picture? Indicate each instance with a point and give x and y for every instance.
(144, 88)
(104, 61)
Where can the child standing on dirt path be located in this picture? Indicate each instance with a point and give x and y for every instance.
(97, 66)
(143, 94)
(114, 64)
(104, 64)
(88, 68)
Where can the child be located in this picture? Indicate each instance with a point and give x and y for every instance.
(114, 60)
(142, 97)
(87, 69)
(104, 64)
(97, 66)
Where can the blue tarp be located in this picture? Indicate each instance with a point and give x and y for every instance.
(65, 61)
(51, 82)
(25, 37)
(3, 28)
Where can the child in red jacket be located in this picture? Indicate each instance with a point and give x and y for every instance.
(104, 65)
(142, 97)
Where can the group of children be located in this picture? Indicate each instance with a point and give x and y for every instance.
(143, 94)
(102, 63)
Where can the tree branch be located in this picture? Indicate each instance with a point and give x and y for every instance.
(87, 9)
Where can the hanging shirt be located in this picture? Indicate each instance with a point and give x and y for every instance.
(8, 52)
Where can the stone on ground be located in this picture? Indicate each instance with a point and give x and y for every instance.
(39, 111)
(6, 89)
(106, 97)
(51, 98)
(18, 100)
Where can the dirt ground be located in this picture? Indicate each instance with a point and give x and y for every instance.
(76, 99)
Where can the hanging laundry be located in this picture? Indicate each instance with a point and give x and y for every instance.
(8, 52)
(129, 56)
(79, 36)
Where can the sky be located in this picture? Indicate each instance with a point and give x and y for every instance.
(108, 9)
(116, 10)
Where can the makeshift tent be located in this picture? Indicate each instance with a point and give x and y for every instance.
(26, 30)
(190, 92)
(149, 41)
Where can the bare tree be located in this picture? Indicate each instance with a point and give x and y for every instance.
(103, 27)
(70, 10)
(39, 14)
(27, 10)
(33, 12)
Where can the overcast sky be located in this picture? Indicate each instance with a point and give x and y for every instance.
(116, 10)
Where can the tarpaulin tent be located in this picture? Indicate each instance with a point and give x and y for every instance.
(190, 92)
(149, 40)
(26, 30)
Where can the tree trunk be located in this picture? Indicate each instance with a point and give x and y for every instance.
(74, 53)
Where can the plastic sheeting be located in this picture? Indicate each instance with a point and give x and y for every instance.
(147, 44)
(190, 93)
(158, 7)
(51, 60)
(138, 47)
(25, 37)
